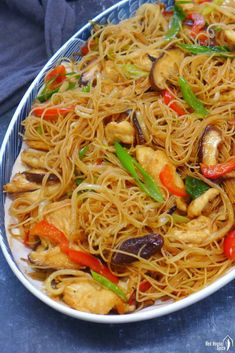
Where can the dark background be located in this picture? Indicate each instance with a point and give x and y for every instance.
(29, 326)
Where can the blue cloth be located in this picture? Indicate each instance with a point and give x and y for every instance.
(30, 32)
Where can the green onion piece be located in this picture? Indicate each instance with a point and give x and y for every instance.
(73, 74)
(195, 187)
(200, 49)
(83, 151)
(190, 97)
(39, 130)
(46, 94)
(176, 22)
(177, 218)
(78, 181)
(86, 89)
(108, 284)
(132, 71)
(148, 185)
(208, 9)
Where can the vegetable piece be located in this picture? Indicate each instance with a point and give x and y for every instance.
(92, 262)
(199, 204)
(87, 88)
(51, 114)
(78, 181)
(132, 166)
(49, 231)
(207, 50)
(167, 179)
(108, 284)
(55, 77)
(178, 219)
(83, 151)
(165, 67)
(208, 146)
(190, 97)
(195, 187)
(218, 170)
(198, 23)
(229, 245)
(144, 246)
(176, 22)
(139, 133)
(45, 94)
(84, 49)
(168, 98)
(143, 287)
(132, 71)
(208, 9)
(38, 177)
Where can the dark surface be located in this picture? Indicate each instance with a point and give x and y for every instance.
(29, 326)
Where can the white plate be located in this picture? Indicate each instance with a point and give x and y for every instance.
(10, 150)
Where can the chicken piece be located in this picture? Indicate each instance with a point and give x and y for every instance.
(38, 145)
(52, 258)
(36, 195)
(59, 214)
(181, 204)
(110, 71)
(34, 159)
(195, 232)
(153, 162)
(230, 35)
(89, 296)
(122, 131)
(19, 183)
(198, 205)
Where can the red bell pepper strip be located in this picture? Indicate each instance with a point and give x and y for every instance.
(55, 77)
(143, 287)
(198, 23)
(51, 114)
(167, 179)
(88, 260)
(168, 98)
(218, 170)
(84, 50)
(50, 232)
(229, 245)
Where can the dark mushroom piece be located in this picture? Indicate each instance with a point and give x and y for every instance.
(165, 67)
(209, 145)
(139, 133)
(144, 246)
(38, 177)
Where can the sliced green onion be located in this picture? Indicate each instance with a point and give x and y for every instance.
(86, 89)
(177, 218)
(108, 284)
(195, 187)
(190, 97)
(147, 184)
(201, 49)
(78, 181)
(39, 130)
(176, 22)
(208, 9)
(133, 72)
(83, 151)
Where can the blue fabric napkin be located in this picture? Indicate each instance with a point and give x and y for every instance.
(30, 32)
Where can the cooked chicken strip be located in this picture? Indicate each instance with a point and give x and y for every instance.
(52, 258)
(34, 159)
(89, 296)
